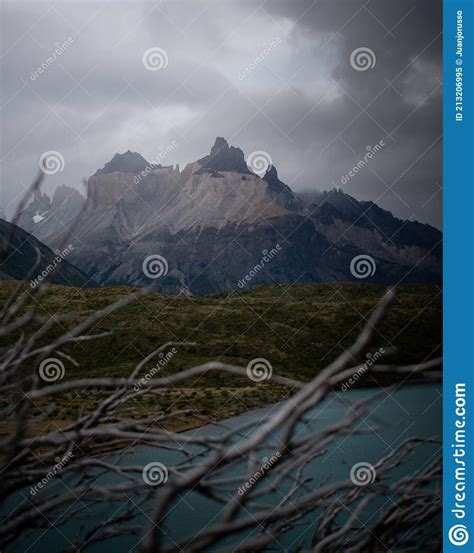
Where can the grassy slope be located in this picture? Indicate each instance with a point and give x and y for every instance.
(299, 329)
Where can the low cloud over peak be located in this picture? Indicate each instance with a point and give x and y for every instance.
(92, 79)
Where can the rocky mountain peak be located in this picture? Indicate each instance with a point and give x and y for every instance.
(129, 162)
(64, 193)
(224, 158)
(219, 144)
(280, 189)
(271, 174)
(41, 199)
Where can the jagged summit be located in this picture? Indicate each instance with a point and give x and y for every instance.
(271, 176)
(280, 189)
(224, 158)
(129, 162)
(271, 173)
(65, 193)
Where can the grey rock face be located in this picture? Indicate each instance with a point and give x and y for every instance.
(49, 218)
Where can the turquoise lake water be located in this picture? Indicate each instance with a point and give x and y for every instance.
(410, 411)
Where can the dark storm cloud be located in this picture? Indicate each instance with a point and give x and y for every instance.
(401, 94)
(272, 76)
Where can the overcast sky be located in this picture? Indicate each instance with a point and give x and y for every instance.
(272, 76)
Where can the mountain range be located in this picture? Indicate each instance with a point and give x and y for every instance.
(219, 226)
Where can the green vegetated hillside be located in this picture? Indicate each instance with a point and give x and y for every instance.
(299, 329)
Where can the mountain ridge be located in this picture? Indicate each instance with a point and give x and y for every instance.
(212, 221)
(26, 258)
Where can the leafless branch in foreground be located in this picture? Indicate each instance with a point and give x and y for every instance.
(82, 455)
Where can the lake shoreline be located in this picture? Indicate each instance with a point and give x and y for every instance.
(195, 423)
